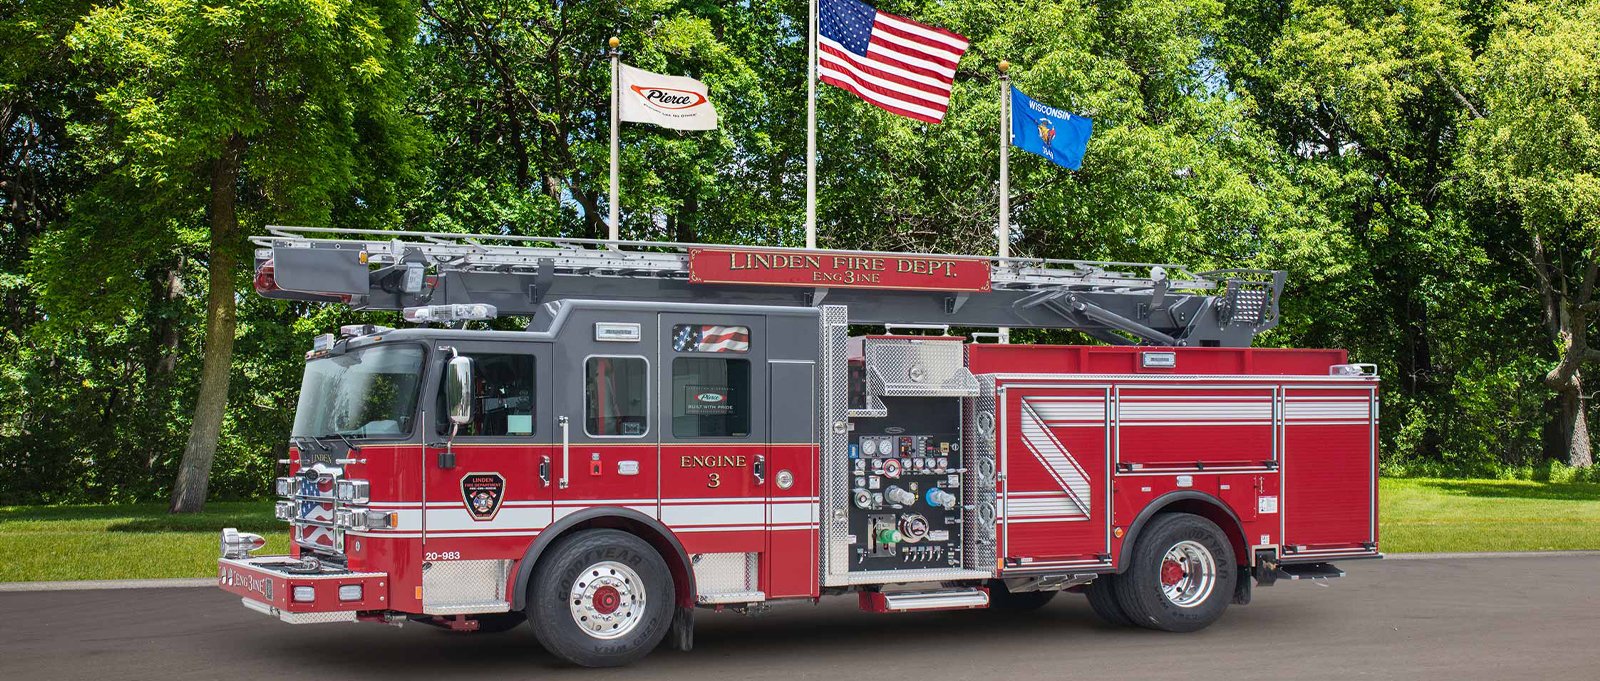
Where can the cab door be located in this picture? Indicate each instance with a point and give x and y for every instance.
(603, 419)
(492, 487)
(715, 471)
(484, 487)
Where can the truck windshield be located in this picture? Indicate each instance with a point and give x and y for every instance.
(370, 392)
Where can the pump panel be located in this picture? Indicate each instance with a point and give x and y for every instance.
(905, 486)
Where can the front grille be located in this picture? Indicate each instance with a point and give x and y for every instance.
(312, 526)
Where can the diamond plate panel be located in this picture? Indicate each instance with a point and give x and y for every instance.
(465, 586)
(833, 385)
(901, 368)
(978, 424)
(720, 574)
(317, 617)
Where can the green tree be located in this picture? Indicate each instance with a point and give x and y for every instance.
(1534, 146)
(242, 113)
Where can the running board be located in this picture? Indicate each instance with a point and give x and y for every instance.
(907, 601)
(1309, 571)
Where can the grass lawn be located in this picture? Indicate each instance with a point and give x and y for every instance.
(142, 541)
(137, 541)
(1423, 515)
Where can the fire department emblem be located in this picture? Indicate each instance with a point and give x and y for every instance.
(482, 493)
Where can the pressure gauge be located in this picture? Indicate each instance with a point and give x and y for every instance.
(891, 468)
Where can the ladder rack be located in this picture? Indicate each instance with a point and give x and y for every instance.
(1162, 304)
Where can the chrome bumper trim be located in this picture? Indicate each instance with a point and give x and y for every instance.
(300, 617)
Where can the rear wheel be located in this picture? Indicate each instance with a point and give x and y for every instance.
(1181, 575)
(600, 598)
(1102, 593)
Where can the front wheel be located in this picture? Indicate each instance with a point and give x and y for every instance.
(1181, 574)
(601, 598)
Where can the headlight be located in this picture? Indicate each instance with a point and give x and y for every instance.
(284, 486)
(238, 545)
(352, 491)
(350, 592)
(305, 594)
(283, 510)
(344, 518)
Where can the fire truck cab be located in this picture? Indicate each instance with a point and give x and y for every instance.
(623, 463)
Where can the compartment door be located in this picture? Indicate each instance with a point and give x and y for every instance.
(790, 568)
(1055, 489)
(1329, 499)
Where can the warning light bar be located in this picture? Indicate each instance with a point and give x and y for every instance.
(448, 313)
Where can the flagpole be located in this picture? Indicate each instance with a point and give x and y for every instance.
(616, 56)
(1002, 235)
(811, 129)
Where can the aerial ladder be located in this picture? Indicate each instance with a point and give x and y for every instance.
(1116, 302)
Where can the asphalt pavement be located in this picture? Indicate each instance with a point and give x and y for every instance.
(1458, 619)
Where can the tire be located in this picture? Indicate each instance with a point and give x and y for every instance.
(1180, 576)
(1022, 601)
(586, 594)
(1102, 593)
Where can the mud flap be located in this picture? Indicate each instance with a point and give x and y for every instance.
(681, 636)
(1242, 586)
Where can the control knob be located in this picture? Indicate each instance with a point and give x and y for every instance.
(895, 495)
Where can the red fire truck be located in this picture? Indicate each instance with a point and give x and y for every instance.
(682, 427)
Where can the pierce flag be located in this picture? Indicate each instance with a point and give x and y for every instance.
(1049, 132)
(676, 102)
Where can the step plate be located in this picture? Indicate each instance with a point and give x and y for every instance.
(907, 601)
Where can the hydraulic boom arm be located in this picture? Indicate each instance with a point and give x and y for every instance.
(1122, 303)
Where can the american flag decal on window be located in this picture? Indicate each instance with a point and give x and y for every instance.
(710, 338)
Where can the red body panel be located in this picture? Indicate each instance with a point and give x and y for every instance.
(1087, 440)
(1276, 451)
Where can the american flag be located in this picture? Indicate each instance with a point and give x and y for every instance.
(316, 510)
(892, 62)
(707, 338)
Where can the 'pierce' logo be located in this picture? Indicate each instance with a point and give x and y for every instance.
(669, 98)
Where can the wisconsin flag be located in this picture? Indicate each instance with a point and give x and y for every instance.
(1049, 132)
(676, 102)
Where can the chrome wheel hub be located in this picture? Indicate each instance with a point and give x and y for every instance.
(607, 600)
(1188, 574)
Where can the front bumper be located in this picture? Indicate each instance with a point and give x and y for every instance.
(268, 585)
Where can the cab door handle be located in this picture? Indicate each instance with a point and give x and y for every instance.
(760, 469)
(544, 470)
(566, 449)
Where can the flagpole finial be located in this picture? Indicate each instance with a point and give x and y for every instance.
(613, 42)
(1004, 66)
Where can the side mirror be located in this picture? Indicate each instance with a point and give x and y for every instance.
(458, 389)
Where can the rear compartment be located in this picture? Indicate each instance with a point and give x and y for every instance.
(1276, 446)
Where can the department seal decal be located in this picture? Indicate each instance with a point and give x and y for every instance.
(482, 493)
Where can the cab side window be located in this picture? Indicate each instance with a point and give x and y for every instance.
(710, 397)
(616, 396)
(502, 397)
